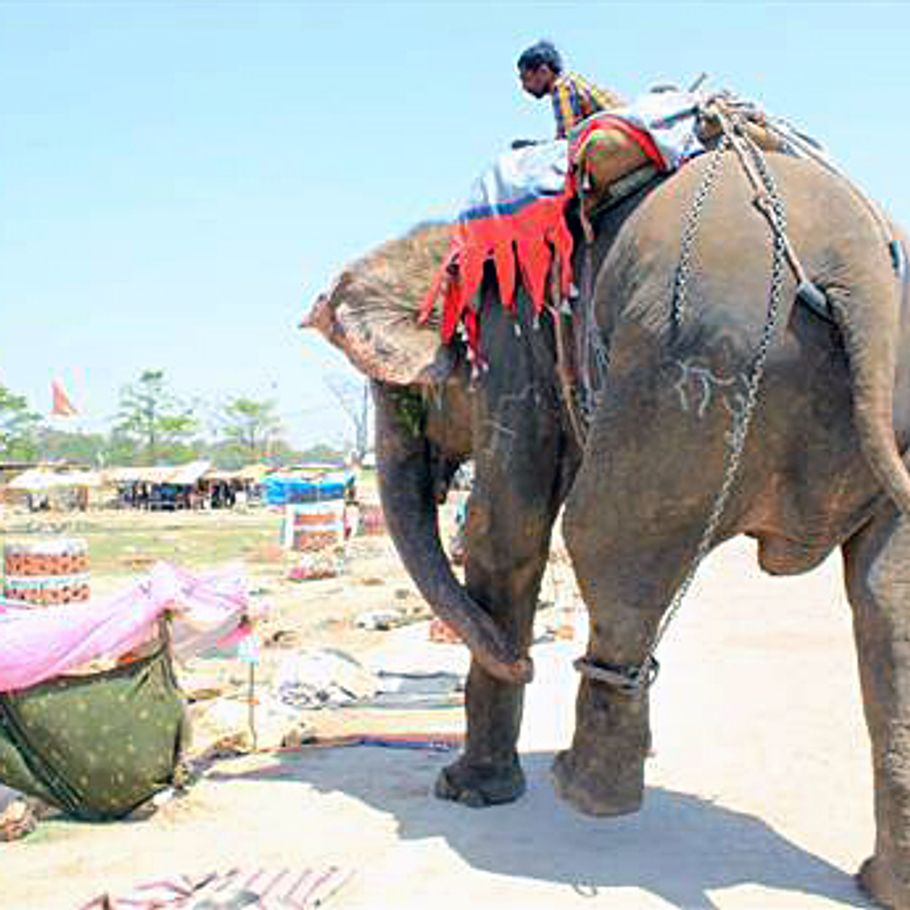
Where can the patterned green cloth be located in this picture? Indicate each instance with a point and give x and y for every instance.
(96, 746)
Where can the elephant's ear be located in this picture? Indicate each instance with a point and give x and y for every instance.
(370, 312)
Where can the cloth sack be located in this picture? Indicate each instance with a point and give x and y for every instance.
(98, 745)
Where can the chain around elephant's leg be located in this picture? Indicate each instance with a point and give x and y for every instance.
(627, 580)
(603, 771)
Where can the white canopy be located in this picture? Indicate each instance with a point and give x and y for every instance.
(181, 474)
(36, 479)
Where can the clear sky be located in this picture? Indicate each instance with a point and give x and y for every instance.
(178, 180)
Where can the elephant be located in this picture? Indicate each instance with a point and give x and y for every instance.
(821, 405)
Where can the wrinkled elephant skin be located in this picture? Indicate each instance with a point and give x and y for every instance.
(821, 467)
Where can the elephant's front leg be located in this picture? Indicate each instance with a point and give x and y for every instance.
(877, 565)
(510, 516)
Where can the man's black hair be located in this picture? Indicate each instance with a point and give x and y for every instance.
(539, 54)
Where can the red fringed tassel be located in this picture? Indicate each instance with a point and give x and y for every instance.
(526, 241)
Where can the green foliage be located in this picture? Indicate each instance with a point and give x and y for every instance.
(153, 426)
(153, 419)
(250, 427)
(225, 456)
(410, 410)
(120, 449)
(81, 448)
(319, 453)
(18, 428)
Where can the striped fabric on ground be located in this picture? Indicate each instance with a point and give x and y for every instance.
(256, 889)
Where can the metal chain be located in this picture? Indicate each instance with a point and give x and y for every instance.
(633, 679)
(690, 232)
(596, 358)
(743, 418)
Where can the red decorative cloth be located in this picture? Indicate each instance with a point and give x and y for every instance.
(516, 218)
(516, 213)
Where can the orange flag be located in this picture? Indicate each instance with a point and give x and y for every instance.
(62, 406)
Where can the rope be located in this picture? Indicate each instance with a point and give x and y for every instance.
(563, 366)
(788, 134)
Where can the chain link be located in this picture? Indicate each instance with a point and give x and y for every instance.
(742, 418)
(634, 679)
(690, 232)
(595, 353)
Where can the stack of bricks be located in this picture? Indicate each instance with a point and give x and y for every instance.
(46, 572)
(314, 566)
(313, 527)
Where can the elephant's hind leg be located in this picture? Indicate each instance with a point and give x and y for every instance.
(626, 593)
(632, 524)
(877, 567)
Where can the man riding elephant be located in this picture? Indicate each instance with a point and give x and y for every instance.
(574, 98)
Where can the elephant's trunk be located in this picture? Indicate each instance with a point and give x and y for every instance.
(868, 316)
(409, 504)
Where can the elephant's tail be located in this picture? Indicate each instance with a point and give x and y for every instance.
(868, 313)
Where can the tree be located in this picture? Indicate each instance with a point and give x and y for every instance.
(250, 427)
(18, 427)
(354, 398)
(151, 416)
(83, 448)
(321, 452)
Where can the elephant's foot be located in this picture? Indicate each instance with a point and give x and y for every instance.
(585, 786)
(480, 785)
(878, 880)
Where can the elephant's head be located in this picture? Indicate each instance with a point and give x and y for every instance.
(370, 311)
(423, 419)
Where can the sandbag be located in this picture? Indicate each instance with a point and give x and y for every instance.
(605, 156)
(97, 745)
(709, 127)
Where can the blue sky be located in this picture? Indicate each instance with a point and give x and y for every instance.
(179, 180)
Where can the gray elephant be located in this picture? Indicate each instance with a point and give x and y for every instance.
(820, 463)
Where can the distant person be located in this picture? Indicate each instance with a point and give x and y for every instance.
(574, 97)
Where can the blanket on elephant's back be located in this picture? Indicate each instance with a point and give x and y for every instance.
(515, 215)
(661, 123)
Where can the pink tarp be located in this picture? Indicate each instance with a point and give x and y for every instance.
(38, 643)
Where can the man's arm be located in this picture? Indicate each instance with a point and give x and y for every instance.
(565, 107)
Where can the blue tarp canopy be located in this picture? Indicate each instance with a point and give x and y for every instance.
(281, 489)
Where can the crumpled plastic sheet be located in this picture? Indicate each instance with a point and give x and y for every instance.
(39, 643)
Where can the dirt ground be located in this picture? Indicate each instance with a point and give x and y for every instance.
(759, 790)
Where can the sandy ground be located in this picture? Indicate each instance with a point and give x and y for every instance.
(759, 792)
